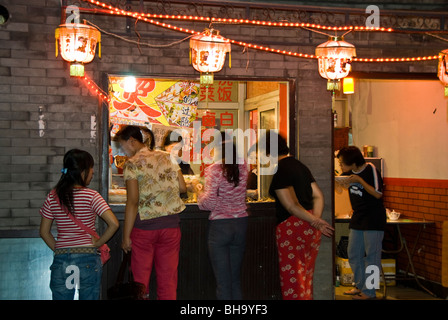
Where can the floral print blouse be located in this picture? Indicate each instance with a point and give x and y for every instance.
(158, 183)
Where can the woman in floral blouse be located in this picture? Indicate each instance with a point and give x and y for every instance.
(151, 226)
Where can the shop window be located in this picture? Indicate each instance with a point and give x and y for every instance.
(166, 105)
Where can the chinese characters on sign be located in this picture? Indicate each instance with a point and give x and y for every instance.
(220, 91)
(171, 103)
(208, 119)
(225, 119)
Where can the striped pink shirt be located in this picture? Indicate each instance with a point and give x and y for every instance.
(88, 204)
(223, 199)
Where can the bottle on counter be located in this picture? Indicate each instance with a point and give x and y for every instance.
(338, 279)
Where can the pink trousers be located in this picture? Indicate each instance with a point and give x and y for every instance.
(161, 249)
(298, 244)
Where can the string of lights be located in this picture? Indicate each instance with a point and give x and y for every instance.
(150, 18)
(94, 88)
(239, 21)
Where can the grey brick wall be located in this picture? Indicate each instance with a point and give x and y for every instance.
(35, 85)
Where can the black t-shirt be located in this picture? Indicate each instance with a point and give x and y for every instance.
(368, 212)
(252, 180)
(292, 172)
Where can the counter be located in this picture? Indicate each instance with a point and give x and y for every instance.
(196, 280)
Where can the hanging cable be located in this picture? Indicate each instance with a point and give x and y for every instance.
(138, 43)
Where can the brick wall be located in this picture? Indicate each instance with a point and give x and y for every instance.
(44, 112)
(420, 199)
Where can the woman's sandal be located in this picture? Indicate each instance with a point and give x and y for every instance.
(363, 296)
(353, 292)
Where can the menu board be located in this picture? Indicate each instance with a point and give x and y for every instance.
(167, 102)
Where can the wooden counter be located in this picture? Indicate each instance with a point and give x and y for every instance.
(260, 279)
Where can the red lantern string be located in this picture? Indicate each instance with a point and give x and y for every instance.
(94, 88)
(147, 17)
(115, 10)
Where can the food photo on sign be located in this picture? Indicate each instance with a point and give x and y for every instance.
(167, 102)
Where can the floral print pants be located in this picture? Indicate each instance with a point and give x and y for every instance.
(298, 244)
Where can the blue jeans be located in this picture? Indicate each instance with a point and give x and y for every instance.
(226, 245)
(364, 249)
(70, 271)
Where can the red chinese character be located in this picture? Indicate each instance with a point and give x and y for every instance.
(133, 99)
(208, 119)
(226, 119)
(211, 93)
(225, 93)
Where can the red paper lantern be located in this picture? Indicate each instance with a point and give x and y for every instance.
(334, 58)
(77, 45)
(208, 53)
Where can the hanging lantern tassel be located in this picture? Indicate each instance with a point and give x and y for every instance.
(333, 85)
(56, 38)
(99, 45)
(230, 60)
(206, 78)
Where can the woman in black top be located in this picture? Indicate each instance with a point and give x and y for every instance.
(299, 207)
(368, 220)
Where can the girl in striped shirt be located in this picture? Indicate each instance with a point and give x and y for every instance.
(76, 262)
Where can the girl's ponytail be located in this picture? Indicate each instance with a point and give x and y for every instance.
(77, 164)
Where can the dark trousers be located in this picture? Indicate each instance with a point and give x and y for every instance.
(226, 245)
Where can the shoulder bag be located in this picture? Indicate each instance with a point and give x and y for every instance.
(104, 249)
